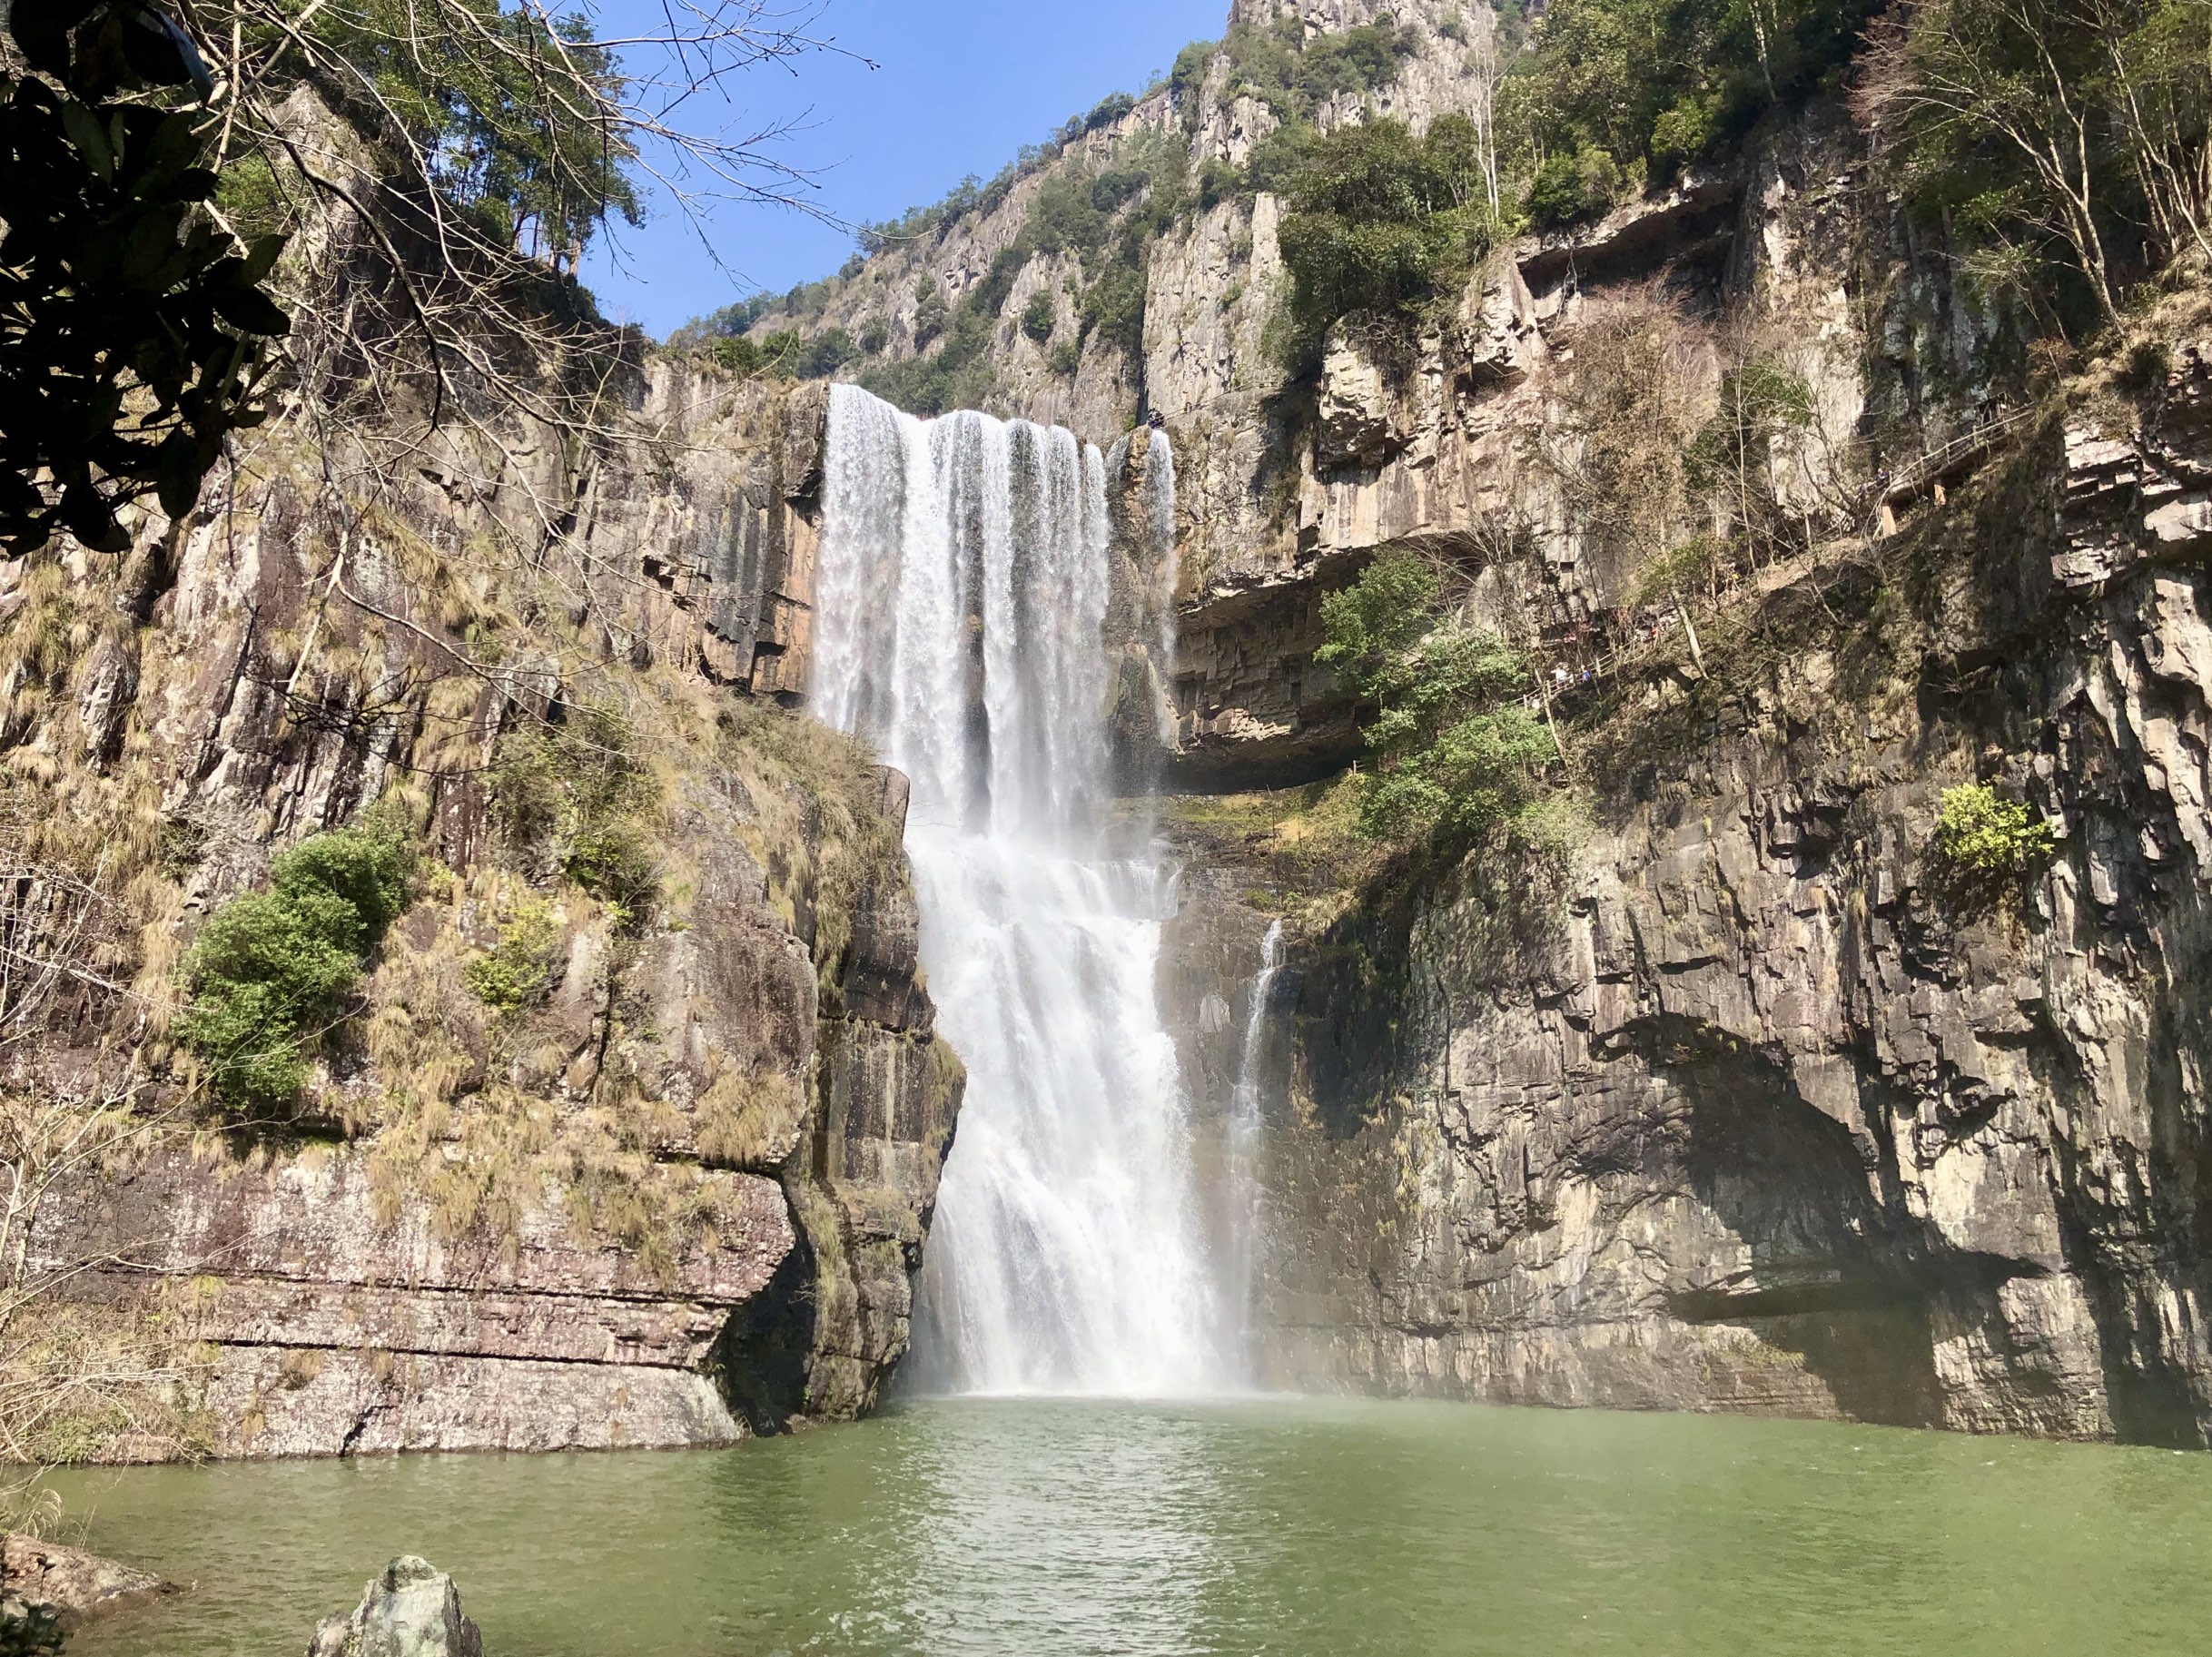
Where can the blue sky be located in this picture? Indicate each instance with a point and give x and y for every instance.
(960, 85)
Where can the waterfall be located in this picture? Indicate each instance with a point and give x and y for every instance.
(962, 590)
(1242, 1184)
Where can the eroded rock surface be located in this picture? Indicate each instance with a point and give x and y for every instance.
(671, 1189)
(412, 1609)
(1755, 1107)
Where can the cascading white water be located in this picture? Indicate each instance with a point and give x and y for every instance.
(961, 596)
(1241, 1184)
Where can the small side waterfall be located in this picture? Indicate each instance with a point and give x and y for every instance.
(1241, 1193)
(961, 593)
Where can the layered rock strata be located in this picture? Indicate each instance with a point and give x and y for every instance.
(1754, 1104)
(674, 1193)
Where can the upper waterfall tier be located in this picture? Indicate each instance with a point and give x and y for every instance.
(964, 598)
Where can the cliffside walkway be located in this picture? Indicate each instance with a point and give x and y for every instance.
(1917, 476)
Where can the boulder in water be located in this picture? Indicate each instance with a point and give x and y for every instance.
(69, 1582)
(411, 1610)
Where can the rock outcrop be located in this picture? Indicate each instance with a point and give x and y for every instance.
(1752, 1105)
(69, 1582)
(412, 1609)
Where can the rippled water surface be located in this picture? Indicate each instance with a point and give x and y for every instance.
(1295, 1529)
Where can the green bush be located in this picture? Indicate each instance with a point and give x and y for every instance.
(1578, 185)
(270, 970)
(519, 968)
(1381, 223)
(1455, 756)
(1477, 774)
(1039, 319)
(1275, 64)
(1979, 833)
(1191, 66)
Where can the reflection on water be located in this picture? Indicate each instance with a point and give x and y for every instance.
(1297, 1529)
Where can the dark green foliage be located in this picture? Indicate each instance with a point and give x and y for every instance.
(824, 354)
(1479, 773)
(1113, 310)
(1373, 625)
(1109, 109)
(1614, 90)
(1457, 756)
(1218, 180)
(271, 970)
(115, 287)
(1038, 318)
(366, 869)
(27, 1630)
(1113, 189)
(1064, 218)
(1575, 185)
(728, 322)
(574, 799)
(1381, 223)
(741, 354)
(1189, 75)
(1292, 75)
(930, 315)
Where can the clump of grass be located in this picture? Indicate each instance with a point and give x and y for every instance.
(578, 800)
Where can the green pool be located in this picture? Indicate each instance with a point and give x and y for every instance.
(1293, 1528)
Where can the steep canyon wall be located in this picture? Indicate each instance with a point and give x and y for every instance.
(674, 1187)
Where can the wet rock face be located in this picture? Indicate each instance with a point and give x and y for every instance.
(1753, 1107)
(411, 1610)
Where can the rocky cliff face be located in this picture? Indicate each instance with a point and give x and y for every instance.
(1744, 1104)
(675, 1190)
(1750, 1108)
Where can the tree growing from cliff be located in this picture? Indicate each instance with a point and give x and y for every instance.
(1381, 223)
(1457, 753)
(451, 158)
(2074, 128)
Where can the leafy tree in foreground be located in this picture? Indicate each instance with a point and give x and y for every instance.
(131, 323)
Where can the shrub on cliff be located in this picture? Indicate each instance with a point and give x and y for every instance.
(1381, 222)
(270, 970)
(576, 800)
(1983, 835)
(1455, 755)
